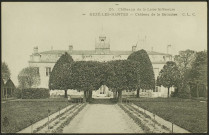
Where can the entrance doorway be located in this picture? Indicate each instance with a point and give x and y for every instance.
(103, 89)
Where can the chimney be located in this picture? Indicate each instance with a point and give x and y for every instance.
(168, 49)
(70, 48)
(35, 49)
(133, 48)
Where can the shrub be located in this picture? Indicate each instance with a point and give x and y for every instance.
(184, 92)
(35, 93)
(17, 93)
(174, 93)
(184, 95)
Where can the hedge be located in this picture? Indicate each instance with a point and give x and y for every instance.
(17, 93)
(35, 93)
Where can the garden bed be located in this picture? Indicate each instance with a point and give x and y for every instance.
(20, 114)
(148, 124)
(188, 114)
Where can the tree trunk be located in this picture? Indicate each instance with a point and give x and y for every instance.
(120, 96)
(87, 96)
(87, 93)
(90, 96)
(65, 93)
(197, 91)
(168, 91)
(206, 91)
(137, 94)
(84, 97)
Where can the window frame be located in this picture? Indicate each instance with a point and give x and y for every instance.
(48, 71)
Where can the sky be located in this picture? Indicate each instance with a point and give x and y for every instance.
(60, 24)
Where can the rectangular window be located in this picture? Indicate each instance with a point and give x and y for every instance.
(48, 71)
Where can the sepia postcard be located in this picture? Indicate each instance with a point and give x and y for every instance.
(104, 67)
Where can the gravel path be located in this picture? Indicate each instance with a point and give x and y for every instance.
(101, 118)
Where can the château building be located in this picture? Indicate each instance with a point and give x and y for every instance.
(45, 61)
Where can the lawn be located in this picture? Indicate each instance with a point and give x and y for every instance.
(186, 113)
(21, 113)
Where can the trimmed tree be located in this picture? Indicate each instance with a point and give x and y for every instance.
(169, 76)
(61, 74)
(86, 77)
(29, 77)
(95, 76)
(99, 76)
(122, 75)
(145, 70)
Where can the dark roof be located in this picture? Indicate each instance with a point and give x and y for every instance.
(92, 52)
(9, 84)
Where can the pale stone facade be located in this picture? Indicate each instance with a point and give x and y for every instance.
(46, 60)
